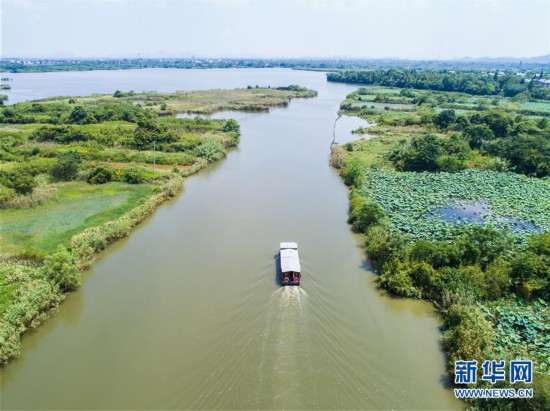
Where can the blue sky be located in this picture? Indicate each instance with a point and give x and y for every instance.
(414, 29)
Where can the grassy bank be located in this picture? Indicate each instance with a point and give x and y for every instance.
(31, 287)
(78, 205)
(76, 174)
(454, 209)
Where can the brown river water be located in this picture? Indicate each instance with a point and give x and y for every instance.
(186, 313)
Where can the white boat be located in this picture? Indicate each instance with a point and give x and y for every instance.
(290, 264)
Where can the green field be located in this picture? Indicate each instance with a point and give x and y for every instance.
(79, 205)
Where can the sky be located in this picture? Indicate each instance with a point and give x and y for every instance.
(412, 29)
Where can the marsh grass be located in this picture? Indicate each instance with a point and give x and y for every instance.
(79, 205)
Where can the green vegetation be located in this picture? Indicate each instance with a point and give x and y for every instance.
(77, 205)
(453, 197)
(76, 174)
(33, 283)
(477, 83)
(16, 65)
(411, 200)
(428, 135)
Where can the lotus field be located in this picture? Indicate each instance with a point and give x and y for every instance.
(411, 200)
(520, 325)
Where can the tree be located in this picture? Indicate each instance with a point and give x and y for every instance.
(445, 119)
(498, 122)
(421, 155)
(80, 116)
(146, 132)
(530, 273)
(512, 89)
(368, 214)
(67, 165)
(482, 245)
(478, 134)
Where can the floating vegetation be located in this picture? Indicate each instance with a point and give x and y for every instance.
(464, 212)
(430, 205)
(519, 325)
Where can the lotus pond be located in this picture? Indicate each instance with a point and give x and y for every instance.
(519, 325)
(433, 205)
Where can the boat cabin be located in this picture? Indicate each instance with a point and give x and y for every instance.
(290, 264)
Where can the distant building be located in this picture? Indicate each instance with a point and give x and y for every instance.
(542, 82)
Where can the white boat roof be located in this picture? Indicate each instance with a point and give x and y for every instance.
(290, 261)
(289, 245)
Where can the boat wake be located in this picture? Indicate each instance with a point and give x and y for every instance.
(281, 342)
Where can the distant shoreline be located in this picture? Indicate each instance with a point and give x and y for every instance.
(39, 65)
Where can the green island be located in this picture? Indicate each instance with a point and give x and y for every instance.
(78, 173)
(451, 191)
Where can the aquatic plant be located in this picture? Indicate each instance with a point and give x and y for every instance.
(409, 199)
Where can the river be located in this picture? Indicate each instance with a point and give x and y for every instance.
(186, 312)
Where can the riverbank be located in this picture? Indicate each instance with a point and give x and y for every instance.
(195, 292)
(69, 164)
(37, 287)
(446, 220)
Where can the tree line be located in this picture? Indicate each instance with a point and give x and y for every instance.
(476, 83)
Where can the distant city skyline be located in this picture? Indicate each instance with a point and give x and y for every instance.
(406, 29)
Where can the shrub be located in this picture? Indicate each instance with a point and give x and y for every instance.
(211, 151)
(445, 118)
(497, 279)
(530, 273)
(147, 132)
(354, 173)
(382, 245)
(134, 175)
(6, 194)
(450, 163)
(482, 245)
(367, 214)
(540, 243)
(99, 175)
(231, 125)
(437, 254)
(421, 155)
(337, 157)
(21, 181)
(468, 333)
(478, 134)
(455, 289)
(60, 268)
(396, 279)
(424, 277)
(499, 164)
(66, 167)
(41, 195)
(79, 115)
(528, 155)
(499, 122)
